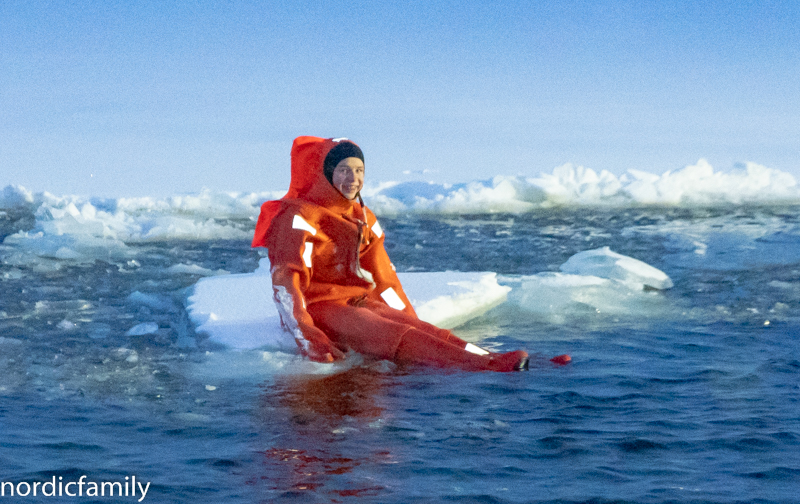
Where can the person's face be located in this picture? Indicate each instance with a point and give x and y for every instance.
(348, 177)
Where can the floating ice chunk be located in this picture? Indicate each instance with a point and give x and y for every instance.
(154, 301)
(557, 296)
(67, 253)
(561, 298)
(62, 306)
(61, 244)
(13, 274)
(142, 329)
(605, 263)
(449, 299)
(66, 325)
(253, 366)
(193, 269)
(238, 311)
(127, 354)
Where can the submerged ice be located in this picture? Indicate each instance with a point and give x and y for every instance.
(605, 263)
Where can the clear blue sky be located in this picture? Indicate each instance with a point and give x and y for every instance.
(131, 98)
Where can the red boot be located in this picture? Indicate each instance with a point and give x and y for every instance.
(509, 361)
(421, 348)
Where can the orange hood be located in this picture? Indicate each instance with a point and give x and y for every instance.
(308, 183)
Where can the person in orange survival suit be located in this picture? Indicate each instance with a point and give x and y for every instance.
(333, 282)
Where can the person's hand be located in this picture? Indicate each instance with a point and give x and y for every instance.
(321, 349)
(324, 353)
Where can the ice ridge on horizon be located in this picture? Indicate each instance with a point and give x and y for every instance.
(569, 185)
(73, 226)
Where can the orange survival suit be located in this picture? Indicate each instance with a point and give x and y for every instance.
(334, 285)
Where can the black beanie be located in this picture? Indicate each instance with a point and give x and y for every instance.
(343, 150)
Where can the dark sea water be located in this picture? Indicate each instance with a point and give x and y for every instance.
(687, 395)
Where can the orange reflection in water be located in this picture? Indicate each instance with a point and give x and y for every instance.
(351, 393)
(307, 460)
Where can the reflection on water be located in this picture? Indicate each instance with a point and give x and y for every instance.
(313, 456)
(348, 394)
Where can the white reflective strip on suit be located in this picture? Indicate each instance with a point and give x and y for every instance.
(376, 228)
(365, 275)
(392, 299)
(300, 223)
(285, 305)
(307, 254)
(475, 349)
